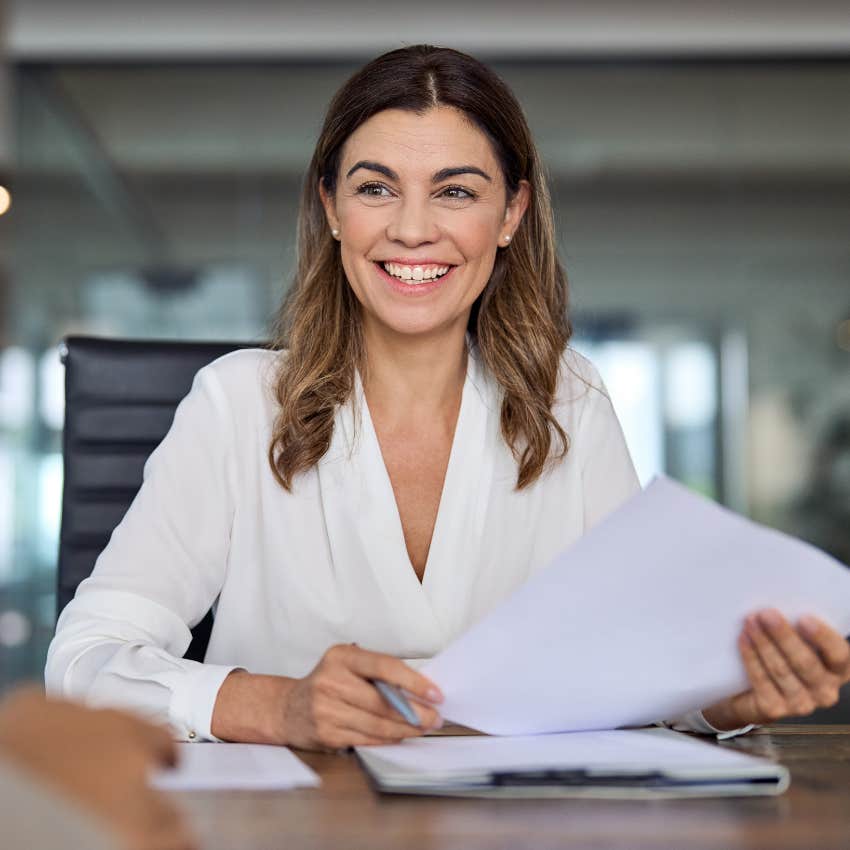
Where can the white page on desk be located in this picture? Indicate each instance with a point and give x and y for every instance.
(636, 622)
(214, 766)
(619, 750)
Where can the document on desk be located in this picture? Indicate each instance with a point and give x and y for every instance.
(216, 766)
(636, 622)
(622, 763)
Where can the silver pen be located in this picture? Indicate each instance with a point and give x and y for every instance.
(397, 700)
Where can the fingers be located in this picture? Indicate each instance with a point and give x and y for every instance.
(376, 665)
(429, 718)
(156, 742)
(821, 659)
(366, 724)
(338, 705)
(161, 745)
(763, 701)
(362, 694)
(770, 649)
(805, 663)
(791, 672)
(831, 645)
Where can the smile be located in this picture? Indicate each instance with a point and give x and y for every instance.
(419, 279)
(415, 273)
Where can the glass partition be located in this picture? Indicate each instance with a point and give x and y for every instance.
(702, 213)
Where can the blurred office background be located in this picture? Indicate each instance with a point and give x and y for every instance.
(700, 165)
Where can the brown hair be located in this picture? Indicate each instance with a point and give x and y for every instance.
(519, 322)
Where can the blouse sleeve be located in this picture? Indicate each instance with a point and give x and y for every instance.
(609, 479)
(694, 721)
(119, 642)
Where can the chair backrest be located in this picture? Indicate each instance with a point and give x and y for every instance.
(120, 398)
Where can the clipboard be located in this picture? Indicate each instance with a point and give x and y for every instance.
(655, 764)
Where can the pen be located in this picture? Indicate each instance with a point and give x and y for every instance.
(397, 700)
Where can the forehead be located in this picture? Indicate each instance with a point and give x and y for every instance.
(441, 137)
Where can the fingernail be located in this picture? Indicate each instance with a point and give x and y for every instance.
(771, 618)
(808, 624)
(434, 695)
(438, 723)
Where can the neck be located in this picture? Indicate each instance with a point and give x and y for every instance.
(415, 378)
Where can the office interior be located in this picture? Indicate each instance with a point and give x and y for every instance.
(701, 182)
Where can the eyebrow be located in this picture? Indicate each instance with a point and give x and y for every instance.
(442, 174)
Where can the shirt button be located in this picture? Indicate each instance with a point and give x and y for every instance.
(192, 736)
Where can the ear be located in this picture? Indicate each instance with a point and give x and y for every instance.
(516, 208)
(329, 203)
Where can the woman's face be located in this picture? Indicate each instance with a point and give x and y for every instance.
(421, 210)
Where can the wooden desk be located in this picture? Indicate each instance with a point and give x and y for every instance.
(345, 814)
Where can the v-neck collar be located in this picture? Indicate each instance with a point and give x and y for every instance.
(460, 516)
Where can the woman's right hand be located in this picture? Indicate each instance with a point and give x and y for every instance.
(334, 707)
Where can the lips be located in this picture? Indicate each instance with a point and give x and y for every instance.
(413, 287)
(415, 271)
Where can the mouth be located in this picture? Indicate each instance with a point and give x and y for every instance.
(415, 273)
(414, 279)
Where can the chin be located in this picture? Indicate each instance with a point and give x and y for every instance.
(413, 328)
(417, 325)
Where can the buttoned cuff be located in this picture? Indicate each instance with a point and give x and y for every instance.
(192, 702)
(694, 721)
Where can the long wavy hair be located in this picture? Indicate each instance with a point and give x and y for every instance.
(519, 323)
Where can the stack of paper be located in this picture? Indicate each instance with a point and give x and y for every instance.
(635, 623)
(623, 763)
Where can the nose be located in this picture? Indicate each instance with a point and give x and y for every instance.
(413, 223)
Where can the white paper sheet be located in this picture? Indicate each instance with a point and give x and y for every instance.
(637, 622)
(215, 766)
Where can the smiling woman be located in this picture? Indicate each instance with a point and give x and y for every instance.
(425, 162)
(419, 208)
(419, 440)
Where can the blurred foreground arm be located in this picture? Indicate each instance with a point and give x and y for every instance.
(99, 762)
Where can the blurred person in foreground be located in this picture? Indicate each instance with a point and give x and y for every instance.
(418, 441)
(78, 779)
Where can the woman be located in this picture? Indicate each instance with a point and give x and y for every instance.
(426, 441)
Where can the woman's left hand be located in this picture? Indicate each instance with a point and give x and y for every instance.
(792, 671)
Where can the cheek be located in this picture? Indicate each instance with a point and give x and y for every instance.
(361, 229)
(349, 257)
(475, 232)
(361, 224)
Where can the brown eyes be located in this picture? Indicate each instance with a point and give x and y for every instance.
(379, 190)
(372, 190)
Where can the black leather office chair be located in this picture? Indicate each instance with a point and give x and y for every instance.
(120, 398)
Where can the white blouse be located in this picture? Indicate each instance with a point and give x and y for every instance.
(291, 574)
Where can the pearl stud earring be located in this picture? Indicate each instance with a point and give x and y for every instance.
(335, 232)
(507, 237)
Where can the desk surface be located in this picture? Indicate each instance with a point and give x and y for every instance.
(346, 814)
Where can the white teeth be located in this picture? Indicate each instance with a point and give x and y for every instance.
(416, 274)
